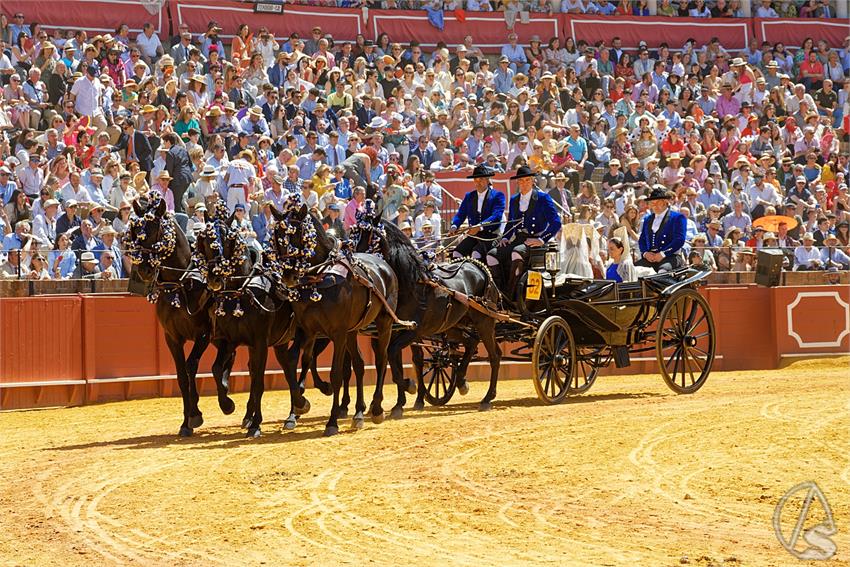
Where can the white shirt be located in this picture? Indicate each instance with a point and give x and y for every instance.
(803, 257)
(87, 95)
(81, 196)
(524, 201)
(481, 197)
(148, 45)
(656, 222)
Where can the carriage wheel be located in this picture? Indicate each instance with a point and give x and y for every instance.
(685, 341)
(553, 360)
(439, 373)
(587, 369)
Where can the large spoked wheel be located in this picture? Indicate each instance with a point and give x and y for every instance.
(685, 341)
(553, 360)
(587, 369)
(439, 373)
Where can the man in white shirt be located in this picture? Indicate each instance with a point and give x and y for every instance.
(766, 10)
(88, 94)
(807, 257)
(762, 195)
(239, 179)
(149, 44)
(44, 225)
(74, 191)
(428, 215)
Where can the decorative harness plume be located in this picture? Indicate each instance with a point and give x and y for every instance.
(162, 249)
(292, 259)
(366, 220)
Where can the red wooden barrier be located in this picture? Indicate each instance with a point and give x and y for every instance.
(100, 16)
(732, 33)
(793, 32)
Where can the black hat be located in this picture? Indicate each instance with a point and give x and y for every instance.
(523, 171)
(481, 170)
(659, 192)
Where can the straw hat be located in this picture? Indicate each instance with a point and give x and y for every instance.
(256, 111)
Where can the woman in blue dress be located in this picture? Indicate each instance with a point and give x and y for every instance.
(620, 268)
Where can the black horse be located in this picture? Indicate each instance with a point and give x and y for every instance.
(338, 296)
(430, 302)
(246, 310)
(163, 260)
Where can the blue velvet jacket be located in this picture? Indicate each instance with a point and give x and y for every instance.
(490, 216)
(541, 219)
(670, 237)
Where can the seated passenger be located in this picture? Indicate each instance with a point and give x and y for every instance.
(620, 268)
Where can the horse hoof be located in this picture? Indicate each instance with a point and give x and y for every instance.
(485, 406)
(303, 409)
(463, 388)
(358, 422)
(418, 406)
(396, 413)
(325, 388)
(195, 421)
(227, 406)
(185, 431)
(378, 418)
(342, 412)
(330, 431)
(411, 387)
(289, 424)
(253, 433)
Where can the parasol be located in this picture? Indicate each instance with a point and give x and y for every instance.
(771, 222)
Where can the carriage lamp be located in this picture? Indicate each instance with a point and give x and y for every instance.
(551, 261)
(552, 266)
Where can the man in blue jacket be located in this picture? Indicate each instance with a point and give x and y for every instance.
(663, 234)
(482, 209)
(532, 221)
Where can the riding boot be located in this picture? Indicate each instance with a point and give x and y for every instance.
(513, 278)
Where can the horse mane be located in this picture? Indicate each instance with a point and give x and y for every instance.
(403, 257)
(323, 239)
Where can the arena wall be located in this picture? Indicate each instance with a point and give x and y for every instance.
(82, 348)
(488, 29)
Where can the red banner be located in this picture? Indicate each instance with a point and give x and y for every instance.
(342, 24)
(99, 16)
(732, 33)
(489, 30)
(793, 32)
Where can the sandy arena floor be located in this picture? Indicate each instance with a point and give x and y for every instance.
(629, 474)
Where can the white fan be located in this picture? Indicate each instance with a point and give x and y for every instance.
(153, 6)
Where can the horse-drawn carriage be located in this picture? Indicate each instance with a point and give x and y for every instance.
(309, 286)
(570, 327)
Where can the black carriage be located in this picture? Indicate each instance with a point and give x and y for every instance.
(569, 328)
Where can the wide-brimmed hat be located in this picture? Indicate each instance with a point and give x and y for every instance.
(256, 111)
(481, 170)
(87, 257)
(674, 155)
(737, 62)
(659, 192)
(377, 123)
(522, 172)
(614, 162)
(209, 171)
(164, 175)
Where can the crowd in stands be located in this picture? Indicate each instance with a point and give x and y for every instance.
(90, 123)
(667, 8)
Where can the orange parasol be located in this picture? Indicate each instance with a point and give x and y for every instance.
(771, 222)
